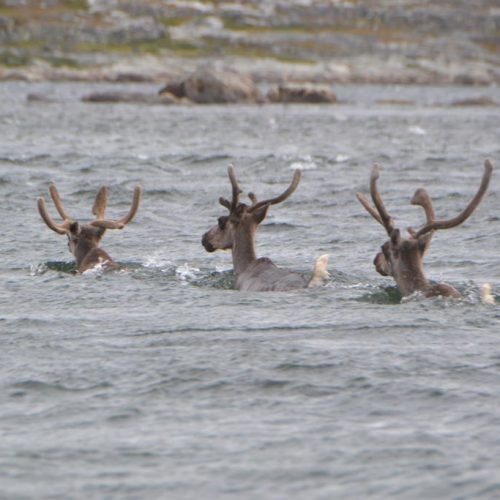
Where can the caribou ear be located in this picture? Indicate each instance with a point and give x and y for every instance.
(424, 242)
(260, 213)
(75, 229)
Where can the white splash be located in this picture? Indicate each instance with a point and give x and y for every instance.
(306, 163)
(97, 270)
(273, 124)
(340, 158)
(416, 130)
(186, 272)
(222, 268)
(157, 261)
(38, 269)
(416, 296)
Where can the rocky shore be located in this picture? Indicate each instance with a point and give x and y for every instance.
(272, 42)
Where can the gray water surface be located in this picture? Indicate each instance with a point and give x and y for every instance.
(159, 381)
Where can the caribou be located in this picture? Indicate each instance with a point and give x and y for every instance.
(402, 258)
(84, 239)
(236, 232)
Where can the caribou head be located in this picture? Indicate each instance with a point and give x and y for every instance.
(402, 258)
(243, 219)
(84, 239)
(236, 232)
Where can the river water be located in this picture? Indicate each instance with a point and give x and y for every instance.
(159, 381)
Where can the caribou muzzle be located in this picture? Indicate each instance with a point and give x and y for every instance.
(206, 244)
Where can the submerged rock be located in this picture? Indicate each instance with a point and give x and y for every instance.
(34, 97)
(396, 102)
(206, 86)
(130, 97)
(475, 101)
(302, 93)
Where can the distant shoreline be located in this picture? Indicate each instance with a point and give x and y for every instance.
(354, 70)
(270, 41)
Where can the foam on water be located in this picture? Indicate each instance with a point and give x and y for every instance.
(186, 272)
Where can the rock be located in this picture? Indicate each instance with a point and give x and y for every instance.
(475, 101)
(34, 97)
(206, 86)
(302, 93)
(130, 97)
(395, 102)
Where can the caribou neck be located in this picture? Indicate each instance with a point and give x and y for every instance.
(243, 249)
(409, 282)
(410, 277)
(83, 248)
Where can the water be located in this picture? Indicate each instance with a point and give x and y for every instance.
(159, 381)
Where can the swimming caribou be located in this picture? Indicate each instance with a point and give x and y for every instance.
(402, 257)
(236, 232)
(84, 239)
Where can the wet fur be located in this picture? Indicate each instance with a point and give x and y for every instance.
(263, 275)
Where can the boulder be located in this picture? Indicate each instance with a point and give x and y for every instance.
(302, 93)
(207, 86)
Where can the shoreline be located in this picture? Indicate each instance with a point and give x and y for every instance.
(262, 71)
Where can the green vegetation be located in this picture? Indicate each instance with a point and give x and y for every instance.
(75, 4)
(37, 10)
(182, 48)
(380, 33)
(14, 59)
(491, 46)
(60, 62)
(173, 22)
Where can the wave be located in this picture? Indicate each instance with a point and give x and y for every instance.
(37, 386)
(221, 277)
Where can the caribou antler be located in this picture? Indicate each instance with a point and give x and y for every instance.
(422, 199)
(377, 200)
(364, 201)
(231, 205)
(278, 199)
(133, 208)
(120, 223)
(58, 228)
(54, 194)
(380, 214)
(42, 208)
(98, 210)
(466, 213)
(252, 197)
(100, 203)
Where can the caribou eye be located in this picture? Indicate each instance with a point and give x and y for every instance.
(222, 221)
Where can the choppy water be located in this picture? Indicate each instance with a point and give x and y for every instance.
(159, 381)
